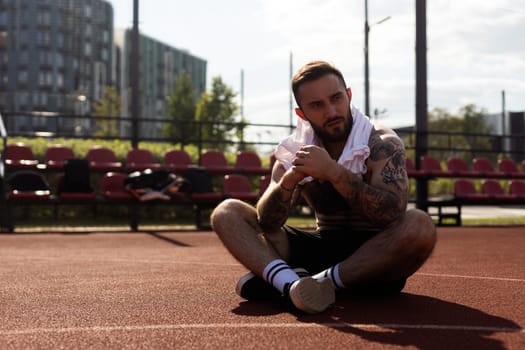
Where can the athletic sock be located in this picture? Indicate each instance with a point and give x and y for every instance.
(332, 274)
(279, 274)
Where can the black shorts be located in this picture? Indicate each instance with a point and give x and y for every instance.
(318, 250)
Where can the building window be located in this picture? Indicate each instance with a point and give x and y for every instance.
(105, 36)
(43, 38)
(22, 77)
(87, 48)
(43, 18)
(60, 80)
(87, 11)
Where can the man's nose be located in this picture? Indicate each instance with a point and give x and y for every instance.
(330, 110)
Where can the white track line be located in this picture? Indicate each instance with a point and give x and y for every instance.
(379, 326)
(470, 277)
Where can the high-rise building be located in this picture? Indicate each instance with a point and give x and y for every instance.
(160, 66)
(55, 58)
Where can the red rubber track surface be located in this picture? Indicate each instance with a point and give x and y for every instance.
(155, 290)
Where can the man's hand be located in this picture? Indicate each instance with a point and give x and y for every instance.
(315, 161)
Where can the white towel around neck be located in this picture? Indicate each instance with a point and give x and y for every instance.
(354, 154)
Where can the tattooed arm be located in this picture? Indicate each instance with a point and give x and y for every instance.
(383, 196)
(275, 204)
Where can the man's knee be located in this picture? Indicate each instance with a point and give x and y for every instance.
(419, 231)
(228, 212)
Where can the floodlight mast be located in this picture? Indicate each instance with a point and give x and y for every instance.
(367, 63)
(134, 79)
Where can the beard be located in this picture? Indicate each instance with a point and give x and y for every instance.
(332, 134)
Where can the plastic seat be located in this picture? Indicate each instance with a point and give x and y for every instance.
(264, 184)
(484, 167)
(102, 159)
(113, 188)
(141, 159)
(465, 190)
(248, 162)
(202, 193)
(411, 168)
(56, 156)
(458, 167)
(517, 188)
(27, 185)
(238, 186)
(509, 168)
(494, 190)
(215, 162)
(430, 166)
(19, 156)
(177, 160)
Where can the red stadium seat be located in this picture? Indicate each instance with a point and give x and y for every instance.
(411, 168)
(238, 186)
(215, 162)
(431, 166)
(248, 162)
(177, 160)
(27, 185)
(141, 159)
(458, 167)
(112, 187)
(494, 190)
(484, 167)
(264, 183)
(19, 156)
(102, 159)
(517, 188)
(56, 156)
(509, 168)
(465, 190)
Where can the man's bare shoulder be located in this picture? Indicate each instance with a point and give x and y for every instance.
(384, 143)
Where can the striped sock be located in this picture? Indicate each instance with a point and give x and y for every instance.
(279, 274)
(332, 274)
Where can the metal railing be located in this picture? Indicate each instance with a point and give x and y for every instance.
(441, 144)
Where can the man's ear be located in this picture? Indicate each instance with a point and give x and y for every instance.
(349, 91)
(300, 113)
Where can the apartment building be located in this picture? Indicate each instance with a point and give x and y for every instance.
(160, 65)
(56, 57)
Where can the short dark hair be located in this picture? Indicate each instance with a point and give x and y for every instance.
(313, 71)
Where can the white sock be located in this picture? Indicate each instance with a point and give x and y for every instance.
(278, 274)
(332, 274)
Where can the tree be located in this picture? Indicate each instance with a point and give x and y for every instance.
(107, 109)
(474, 123)
(466, 131)
(215, 112)
(181, 111)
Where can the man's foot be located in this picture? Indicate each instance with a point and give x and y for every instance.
(254, 288)
(310, 295)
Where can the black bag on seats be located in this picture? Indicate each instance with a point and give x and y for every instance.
(76, 176)
(159, 184)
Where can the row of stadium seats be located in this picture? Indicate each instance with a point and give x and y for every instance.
(19, 156)
(430, 167)
(28, 187)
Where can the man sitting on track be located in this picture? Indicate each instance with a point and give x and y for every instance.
(352, 173)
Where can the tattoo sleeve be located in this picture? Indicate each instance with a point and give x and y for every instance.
(274, 207)
(383, 197)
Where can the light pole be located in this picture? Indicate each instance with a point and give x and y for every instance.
(367, 68)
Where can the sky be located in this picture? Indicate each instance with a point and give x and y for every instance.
(475, 49)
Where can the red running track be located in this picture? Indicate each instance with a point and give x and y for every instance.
(175, 290)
